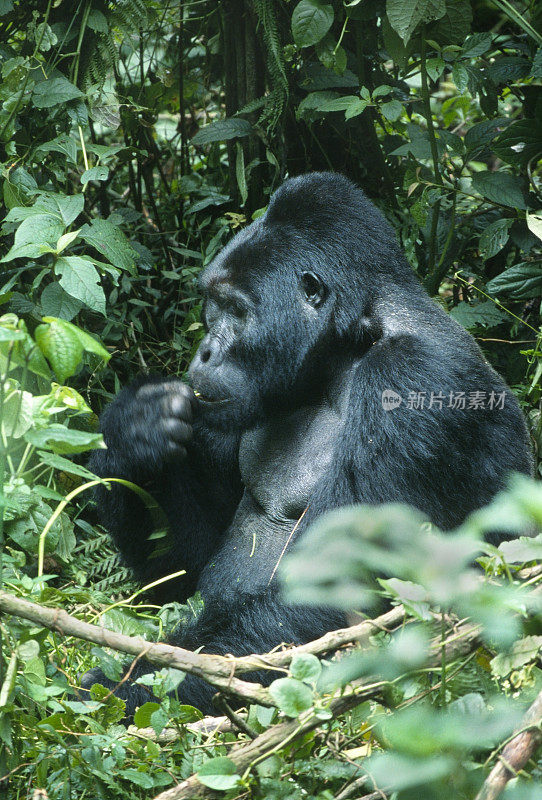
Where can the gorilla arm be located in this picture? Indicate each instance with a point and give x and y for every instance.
(192, 474)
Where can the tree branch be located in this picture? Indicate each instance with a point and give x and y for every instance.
(516, 753)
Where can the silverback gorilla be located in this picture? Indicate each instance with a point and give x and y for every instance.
(326, 377)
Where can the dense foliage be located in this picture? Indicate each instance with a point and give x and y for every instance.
(135, 137)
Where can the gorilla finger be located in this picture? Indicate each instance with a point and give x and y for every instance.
(180, 395)
(177, 430)
(175, 450)
(179, 405)
(154, 391)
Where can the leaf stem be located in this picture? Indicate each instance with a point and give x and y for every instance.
(434, 152)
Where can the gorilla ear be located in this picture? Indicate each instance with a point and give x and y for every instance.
(313, 288)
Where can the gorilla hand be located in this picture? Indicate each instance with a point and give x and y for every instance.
(150, 423)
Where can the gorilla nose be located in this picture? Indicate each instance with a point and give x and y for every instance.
(209, 354)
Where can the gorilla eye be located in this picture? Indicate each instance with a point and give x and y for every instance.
(313, 289)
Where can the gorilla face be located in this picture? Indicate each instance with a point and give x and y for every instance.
(265, 322)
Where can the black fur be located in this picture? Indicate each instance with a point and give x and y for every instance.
(290, 418)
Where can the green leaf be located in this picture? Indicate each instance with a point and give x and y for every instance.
(522, 549)
(45, 37)
(25, 352)
(97, 21)
(460, 77)
(305, 667)
(486, 314)
(480, 135)
(62, 440)
(501, 188)
(17, 413)
(219, 774)
(405, 15)
(142, 779)
(61, 348)
(435, 68)
(142, 717)
(521, 653)
(536, 71)
(477, 44)
(159, 720)
(95, 174)
(65, 465)
(63, 344)
(520, 143)
(394, 45)
(111, 242)
(34, 671)
(66, 145)
(66, 208)
(291, 696)
(520, 282)
(221, 130)
(240, 173)
(55, 302)
(331, 56)
(508, 69)
(454, 26)
(534, 223)
(392, 110)
(54, 91)
(35, 236)
(396, 771)
(311, 20)
(320, 101)
(494, 237)
(80, 279)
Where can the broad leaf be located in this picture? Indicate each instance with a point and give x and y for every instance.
(54, 91)
(311, 20)
(95, 174)
(494, 237)
(501, 188)
(486, 314)
(64, 440)
(221, 130)
(61, 348)
(35, 236)
(55, 302)
(406, 15)
(305, 667)
(520, 282)
(111, 242)
(291, 696)
(80, 279)
(219, 774)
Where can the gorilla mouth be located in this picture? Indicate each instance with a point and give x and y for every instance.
(209, 400)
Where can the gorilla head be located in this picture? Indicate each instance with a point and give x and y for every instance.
(296, 285)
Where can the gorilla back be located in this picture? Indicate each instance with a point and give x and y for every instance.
(327, 376)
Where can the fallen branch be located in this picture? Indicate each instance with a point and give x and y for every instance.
(516, 753)
(217, 670)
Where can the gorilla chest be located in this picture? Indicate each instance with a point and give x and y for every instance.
(282, 461)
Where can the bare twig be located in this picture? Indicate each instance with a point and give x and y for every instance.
(516, 753)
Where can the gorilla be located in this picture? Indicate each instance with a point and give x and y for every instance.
(326, 376)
